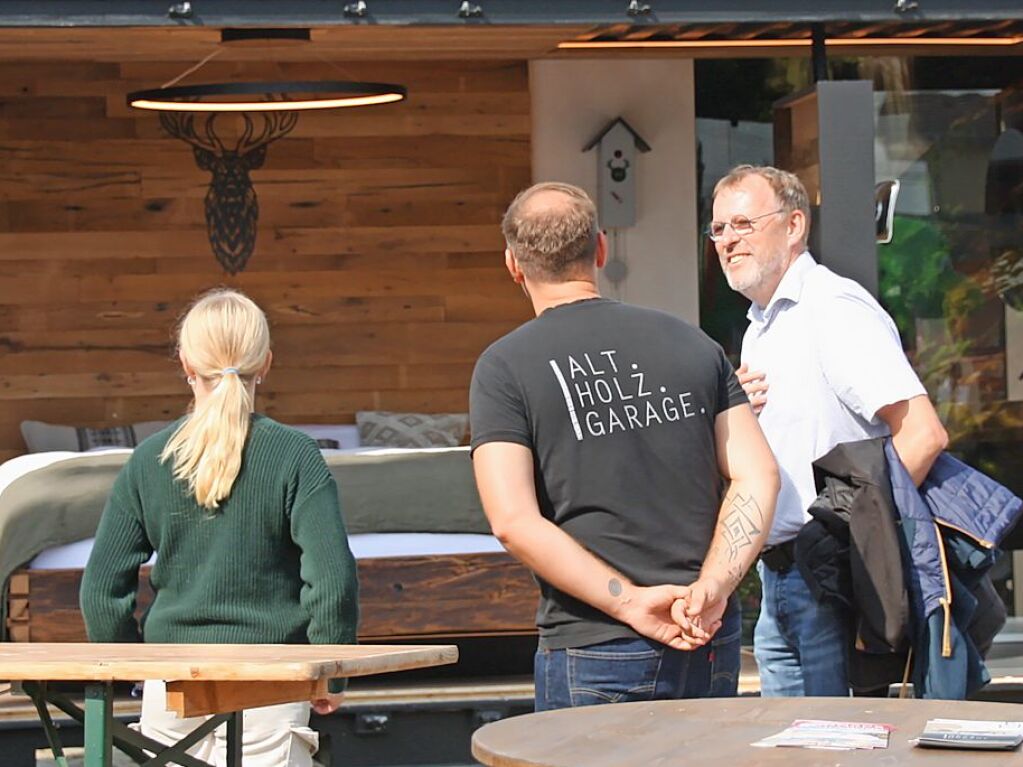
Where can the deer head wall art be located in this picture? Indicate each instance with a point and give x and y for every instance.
(232, 208)
(267, 111)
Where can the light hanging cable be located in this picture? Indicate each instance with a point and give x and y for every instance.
(263, 96)
(265, 112)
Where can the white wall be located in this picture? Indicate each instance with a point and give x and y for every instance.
(572, 101)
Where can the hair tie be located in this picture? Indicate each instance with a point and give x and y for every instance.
(229, 371)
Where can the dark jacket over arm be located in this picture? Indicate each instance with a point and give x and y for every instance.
(911, 563)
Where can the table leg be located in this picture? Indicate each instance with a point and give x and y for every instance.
(99, 720)
(234, 739)
(38, 694)
(102, 731)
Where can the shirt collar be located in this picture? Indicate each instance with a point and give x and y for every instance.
(789, 289)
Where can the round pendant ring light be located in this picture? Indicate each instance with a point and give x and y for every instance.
(266, 96)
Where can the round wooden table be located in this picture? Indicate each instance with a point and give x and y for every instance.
(717, 732)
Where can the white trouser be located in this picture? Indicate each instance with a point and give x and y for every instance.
(273, 736)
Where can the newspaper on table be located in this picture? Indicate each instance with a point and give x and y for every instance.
(830, 735)
(971, 733)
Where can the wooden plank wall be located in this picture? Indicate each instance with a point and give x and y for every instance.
(378, 258)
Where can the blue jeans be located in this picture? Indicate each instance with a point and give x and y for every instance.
(801, 645)
(623, 670)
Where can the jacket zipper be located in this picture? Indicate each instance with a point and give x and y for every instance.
(967, 533)
(945, 601)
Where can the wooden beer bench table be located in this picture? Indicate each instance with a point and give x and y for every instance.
(216, 680)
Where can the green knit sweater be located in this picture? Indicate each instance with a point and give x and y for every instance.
(271, 565)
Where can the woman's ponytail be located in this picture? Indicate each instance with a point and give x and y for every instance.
(225, 339)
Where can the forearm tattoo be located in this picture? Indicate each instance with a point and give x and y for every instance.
(614, 587)
(742, 520)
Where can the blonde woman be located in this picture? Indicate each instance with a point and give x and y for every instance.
(243, 515)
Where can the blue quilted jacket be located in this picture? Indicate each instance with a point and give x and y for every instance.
(950, 526)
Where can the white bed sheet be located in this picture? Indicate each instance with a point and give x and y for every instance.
(364, 546)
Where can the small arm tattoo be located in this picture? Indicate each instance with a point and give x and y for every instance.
(614, 587)
(735, 573)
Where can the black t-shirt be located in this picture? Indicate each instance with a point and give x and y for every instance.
(617, 404)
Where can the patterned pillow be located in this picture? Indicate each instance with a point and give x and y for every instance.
(41, 437)
(382, 429)
(331, 436)
(112, 436)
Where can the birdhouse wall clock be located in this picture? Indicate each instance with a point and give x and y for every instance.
(617, 146)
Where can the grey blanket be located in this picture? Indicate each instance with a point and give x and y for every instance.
(414, 491)
(404, 491)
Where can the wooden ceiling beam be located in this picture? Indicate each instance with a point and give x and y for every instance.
(394, 43)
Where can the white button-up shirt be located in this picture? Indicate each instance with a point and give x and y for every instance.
(832, 358)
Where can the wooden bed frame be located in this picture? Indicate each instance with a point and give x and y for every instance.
(414, 597)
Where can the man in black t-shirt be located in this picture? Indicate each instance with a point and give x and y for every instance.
(601, 434)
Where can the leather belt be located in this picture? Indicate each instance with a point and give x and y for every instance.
(781, 557)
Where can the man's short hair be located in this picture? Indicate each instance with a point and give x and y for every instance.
(786, 186)
(551, 240)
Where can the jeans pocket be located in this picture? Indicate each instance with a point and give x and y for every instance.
(614, 672)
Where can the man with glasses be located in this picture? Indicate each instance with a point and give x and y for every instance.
(823, 364)
(617, 456)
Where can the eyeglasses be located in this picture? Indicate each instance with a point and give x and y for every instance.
(741, 225)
